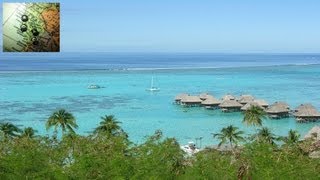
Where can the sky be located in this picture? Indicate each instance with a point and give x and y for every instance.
(222, 26)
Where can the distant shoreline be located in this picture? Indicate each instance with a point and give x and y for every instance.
(153, 69)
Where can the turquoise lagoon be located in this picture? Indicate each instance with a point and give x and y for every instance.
(28, 98)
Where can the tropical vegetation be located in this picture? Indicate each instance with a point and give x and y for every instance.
(107, 153)
(254, 116)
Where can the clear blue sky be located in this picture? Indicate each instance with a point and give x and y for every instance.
(188, 25)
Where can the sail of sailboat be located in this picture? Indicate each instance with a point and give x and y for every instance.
(152, 87)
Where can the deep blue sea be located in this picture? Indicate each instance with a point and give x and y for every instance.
(122, 61)
(32, 86)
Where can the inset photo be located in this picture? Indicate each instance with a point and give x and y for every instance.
(31, 27)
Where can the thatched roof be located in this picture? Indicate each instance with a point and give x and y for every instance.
(249, 104)
(245, 98)
(210, 96)
(191, 99)
(313, 133)
(180, 96)
(278, 107)
(230, 104)
(211, 101)
(261, 102)
(306, 110)
(204, 96)
(228, 97)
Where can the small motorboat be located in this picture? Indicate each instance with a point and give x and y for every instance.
(94, 86)
(190, 148)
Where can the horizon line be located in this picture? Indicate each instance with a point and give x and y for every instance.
(156, 52)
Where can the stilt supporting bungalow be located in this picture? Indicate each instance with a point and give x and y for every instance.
(179, 97)
(278, 110)
(191, 101)
(306, 113)
(230, 106)
(211, 102)
(229, 103)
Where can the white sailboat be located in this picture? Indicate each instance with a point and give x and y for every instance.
(152, 87)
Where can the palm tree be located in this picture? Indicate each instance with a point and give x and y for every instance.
(229, 134)
(254, 116)
(292, 138)
(63, 119)
(109, 125)
(265, 135)
(9, 130)
(28, 132)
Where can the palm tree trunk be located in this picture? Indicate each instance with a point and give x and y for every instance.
(230, 143)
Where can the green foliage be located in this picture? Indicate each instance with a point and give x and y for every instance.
(109, 126)
(254, 116)
(292, 138)
(63, 119)
(9, 130)
(108, 154)
(99, 158)
(265, 135)
(265, 161)
(211, 164)
(229, 134)
(25, 158)
(158, 159)
(28, 132)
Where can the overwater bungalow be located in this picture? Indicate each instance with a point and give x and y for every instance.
(204, 96)
(178, 98)
(306, 113)
(211, 102)
(244, 99)
(313, 133)
(228, 97)
(278, 110)
(249, 105)
(230, 106)
(191, 101)
(261, 102)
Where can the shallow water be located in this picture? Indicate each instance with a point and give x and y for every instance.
(28, 98)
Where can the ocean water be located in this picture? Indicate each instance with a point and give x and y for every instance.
(123, 61)
(28, 94)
